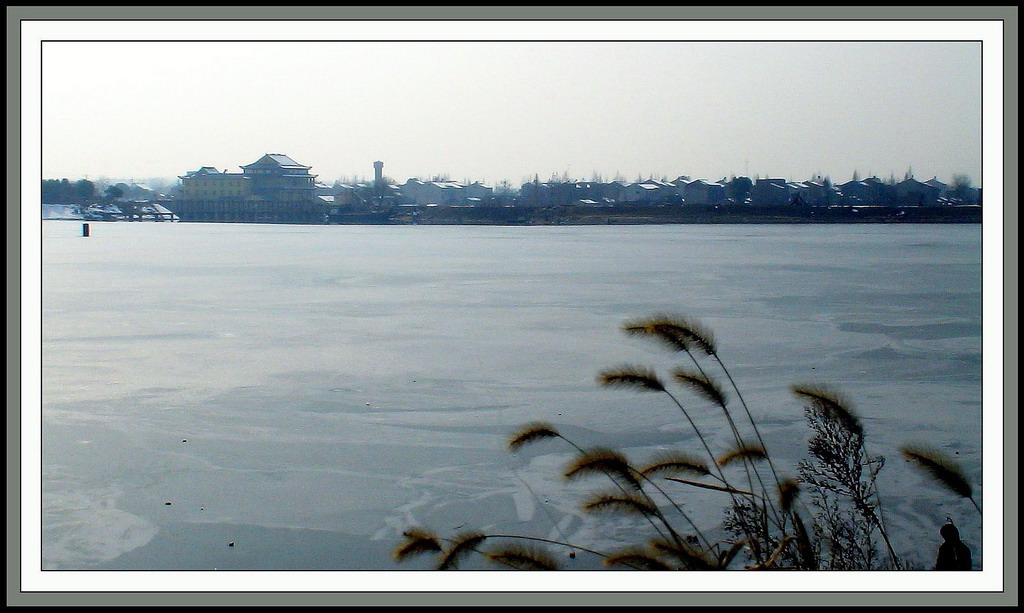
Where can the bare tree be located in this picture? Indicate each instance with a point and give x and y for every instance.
(961, 187)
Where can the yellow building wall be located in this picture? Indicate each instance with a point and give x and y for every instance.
(212, 187)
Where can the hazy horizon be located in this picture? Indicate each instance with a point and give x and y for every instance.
(510, 110)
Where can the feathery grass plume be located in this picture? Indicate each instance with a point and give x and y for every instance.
(625, 503)
(690, 558)
(418, 541)
(674, 463)
(701, 384)
(767, 564)
(463, 545)
(631, 376)
(671, 336)
(523, 558)
(701, 336)
(941, 468)
(605, 461)
(832, 404)
(726, 557)
(788, 491)
(745, 450)
(636, 558)
(531, 433)
(676, 332)
(711, 486)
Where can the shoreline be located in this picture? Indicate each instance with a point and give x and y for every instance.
(623, 215)
(654, 215)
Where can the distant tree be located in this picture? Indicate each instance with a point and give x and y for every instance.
(961, 187)
(830, 192)
(961, 181)
(84, 192)
(856, 175)
(112, 193)
(504, 189)
(51, 192)
(738, 189)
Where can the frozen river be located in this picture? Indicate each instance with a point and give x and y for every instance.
(307, 392)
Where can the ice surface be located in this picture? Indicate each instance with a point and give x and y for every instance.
(294, 385)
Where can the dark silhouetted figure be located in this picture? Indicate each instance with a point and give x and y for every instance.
(953, 554)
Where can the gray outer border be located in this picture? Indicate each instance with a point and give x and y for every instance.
(1009, 16)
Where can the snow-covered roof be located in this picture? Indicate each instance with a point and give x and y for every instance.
(203, 170)
(276, 159)
(913, 181)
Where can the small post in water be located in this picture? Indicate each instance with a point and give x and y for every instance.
(85, 229)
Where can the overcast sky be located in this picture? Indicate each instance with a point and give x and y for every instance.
(497, 110)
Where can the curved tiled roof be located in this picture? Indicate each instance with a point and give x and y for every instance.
(276, 159)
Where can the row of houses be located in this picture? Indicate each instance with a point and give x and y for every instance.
(413, 191)
(278, 178)
(742, 190)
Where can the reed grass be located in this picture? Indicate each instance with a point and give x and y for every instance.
(638, 559)
(462, 545)
(418, 542)
(521, 557)
(770, 527)
(606, 462)
(532, 433)
(632, 377)
(942, 469)
(744, 451)
(625, 503)
(673, 463)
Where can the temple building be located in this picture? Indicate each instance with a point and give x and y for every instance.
(273, 177)
(273, 189)
(278, 177)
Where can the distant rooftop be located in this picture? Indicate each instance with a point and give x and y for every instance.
(276, 159)
(205, 170)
